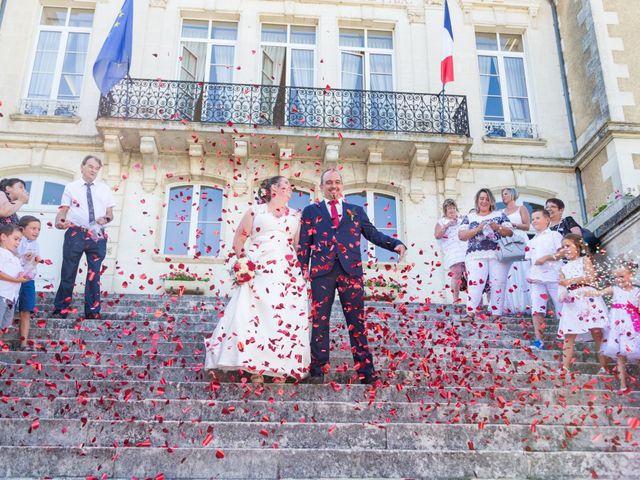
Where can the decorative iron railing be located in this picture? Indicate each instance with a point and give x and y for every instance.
(269, 105)
(58, 108)
(510, 129)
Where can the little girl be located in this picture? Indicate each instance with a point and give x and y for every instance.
(584, 313)
(11, 276)
(623, 335)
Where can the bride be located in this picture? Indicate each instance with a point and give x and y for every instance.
(265, 327)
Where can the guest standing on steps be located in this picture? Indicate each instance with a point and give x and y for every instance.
(87, 206)
(517, 298)
(482, 229)
(13, 195)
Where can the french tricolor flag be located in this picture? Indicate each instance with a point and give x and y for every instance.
(446, 65)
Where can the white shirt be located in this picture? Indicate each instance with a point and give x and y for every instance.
(544, 243)
(452, 247)
(9, 264)
(338, 206)
(75, 197)
(28, 250)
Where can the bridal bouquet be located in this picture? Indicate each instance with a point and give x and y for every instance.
(243, 271)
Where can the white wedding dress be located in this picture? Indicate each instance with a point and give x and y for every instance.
(266, 328)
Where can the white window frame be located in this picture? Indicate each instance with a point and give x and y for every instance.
(502, 75)
(370, 211)
(62, 49)
(209, 43)
(288, 46)
(366, 51)
(193, 220)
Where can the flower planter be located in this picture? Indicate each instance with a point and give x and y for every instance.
(385, 294)
(611, 209)
(188, 287)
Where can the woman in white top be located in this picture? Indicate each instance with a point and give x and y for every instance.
(482, 229)
(454, 249)
(517, 295)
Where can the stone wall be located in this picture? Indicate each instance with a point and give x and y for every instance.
(621, 233)
(625, 33)
(583, 67)
(596, 189)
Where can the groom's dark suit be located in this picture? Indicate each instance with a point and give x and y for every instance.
(333, 259)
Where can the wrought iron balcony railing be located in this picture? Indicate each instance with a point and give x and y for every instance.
(269, 105)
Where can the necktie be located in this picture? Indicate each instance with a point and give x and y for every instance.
(335, 218)
(92, 213)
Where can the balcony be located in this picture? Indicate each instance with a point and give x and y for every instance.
(279, 106)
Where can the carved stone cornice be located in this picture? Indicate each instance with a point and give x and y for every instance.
(158, 3)
(417, 169)
(513, 13)
(149, 152)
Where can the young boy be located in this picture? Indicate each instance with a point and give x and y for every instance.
(11, 275)
(544, 273)
(29, 254)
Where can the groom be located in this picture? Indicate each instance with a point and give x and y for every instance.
(329, 251)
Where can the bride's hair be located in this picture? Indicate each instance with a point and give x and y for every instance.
(264, 191)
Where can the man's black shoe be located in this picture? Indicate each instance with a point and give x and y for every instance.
(58, 314)
(316, 379)
(371, 380)
(92, 316)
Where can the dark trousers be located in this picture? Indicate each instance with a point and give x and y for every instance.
(351, 293)
(77, 242)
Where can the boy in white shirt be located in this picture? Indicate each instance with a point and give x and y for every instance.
(11, 276)
(544, 273)
(29, 254)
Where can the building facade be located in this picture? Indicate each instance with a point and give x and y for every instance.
(224, 94)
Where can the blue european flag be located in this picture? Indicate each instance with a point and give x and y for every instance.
(114, 59)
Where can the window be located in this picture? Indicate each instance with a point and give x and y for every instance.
(503, 84)
(288, 59)
(207, 55)
(366, 60)
(381, 209)
(59, 62)
(299, 199)
(194, 220)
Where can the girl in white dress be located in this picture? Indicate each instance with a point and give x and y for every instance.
(265, 327)
(453, 249)
(584, 314)
(623, 334)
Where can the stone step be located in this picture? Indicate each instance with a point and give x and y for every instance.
(354, 436)
(572, 394)
(206, 462)
(339, 337)
(422, 368)
(50, 341)
(87, 370)
(293, 410)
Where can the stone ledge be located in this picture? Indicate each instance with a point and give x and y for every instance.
(21, 117)
(188, 259)
(619, 217)
(538, 142)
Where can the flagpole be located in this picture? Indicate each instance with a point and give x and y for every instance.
(442, 109)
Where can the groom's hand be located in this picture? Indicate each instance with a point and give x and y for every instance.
(402, 250)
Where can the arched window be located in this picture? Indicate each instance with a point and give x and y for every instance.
(193, 221)
(382, 210)
(299, 199)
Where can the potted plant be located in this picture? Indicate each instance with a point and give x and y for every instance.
(183, 282)
(384, 289)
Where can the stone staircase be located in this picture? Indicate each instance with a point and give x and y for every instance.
(126, 397)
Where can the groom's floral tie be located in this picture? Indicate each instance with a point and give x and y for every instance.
(334, 213)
